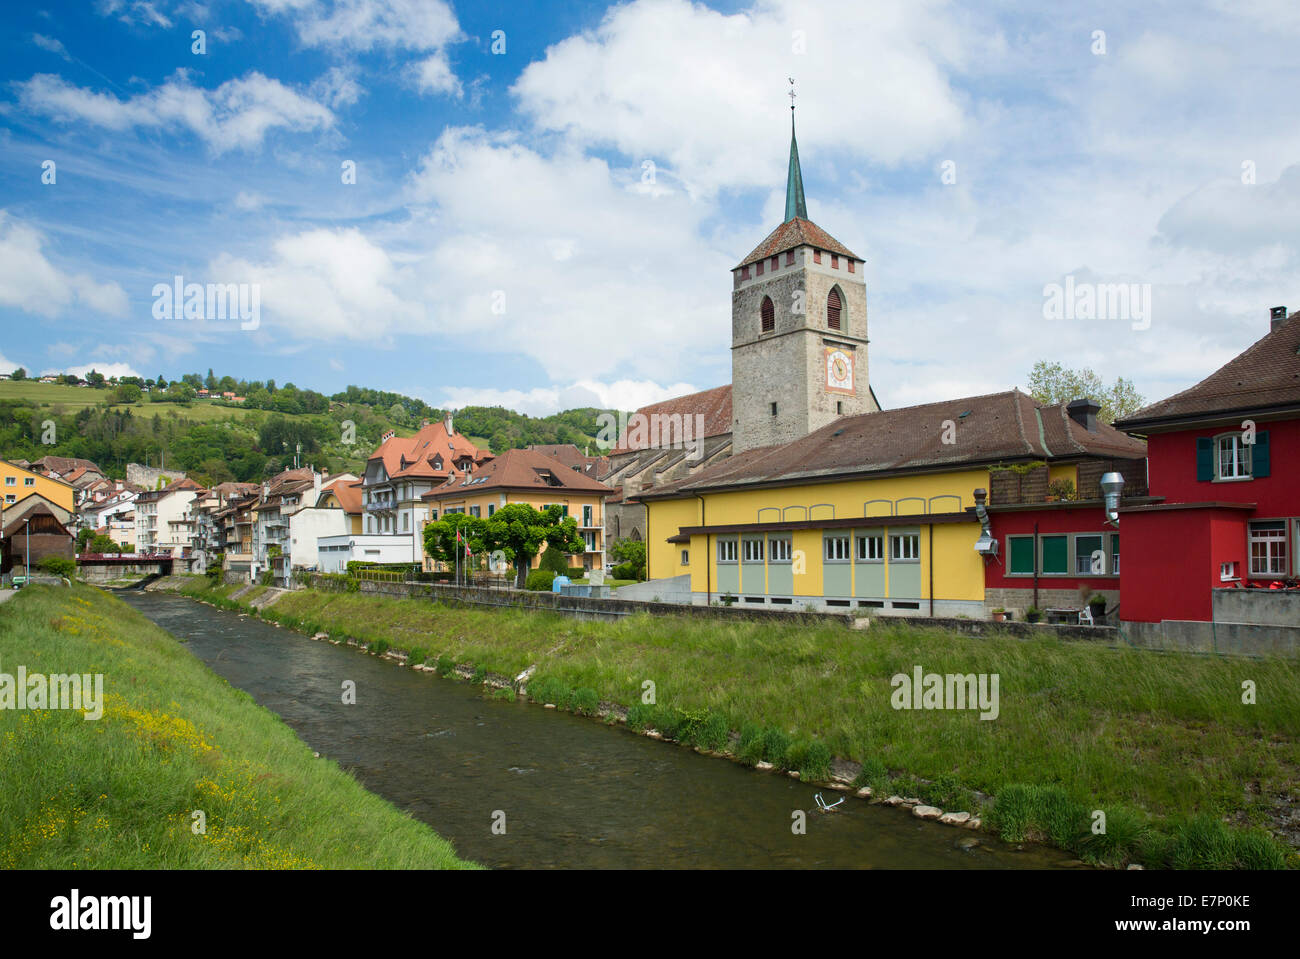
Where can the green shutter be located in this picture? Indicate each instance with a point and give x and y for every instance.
(1204, 459)
(1056, 554)
(1021, 550)
(1259, 456)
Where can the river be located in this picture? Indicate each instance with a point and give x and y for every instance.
(569, 792)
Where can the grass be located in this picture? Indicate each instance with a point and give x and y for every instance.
(74, 398)
(1163, 735)
(119, 792)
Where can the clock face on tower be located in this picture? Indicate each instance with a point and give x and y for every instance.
(839, 370)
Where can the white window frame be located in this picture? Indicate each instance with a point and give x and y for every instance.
(1274, 542)
(1239, 458)
(840, 551)
(728, 551)
(905, 547)
(686, 557)
(752, 550)
(780, 549)
(874, 544)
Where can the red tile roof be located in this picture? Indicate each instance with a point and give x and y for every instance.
(795, 233)
(997, 427)
(519, 470)
(414, 456)
(714, 405)
(1266, 375)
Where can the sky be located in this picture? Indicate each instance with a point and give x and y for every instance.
(539, 204)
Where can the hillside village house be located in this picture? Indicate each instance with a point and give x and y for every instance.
(1215, 554)
(398, 474)
(531, 477)
(320, 514)
(21, 482)
(161, 523)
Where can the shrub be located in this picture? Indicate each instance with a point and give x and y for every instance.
(639, 717)
(480, 674)
(554, 560)
(584, 702)
(59, 566)
(1204, 842)
(873, 774)
(575, 572)
(505, 693)
(750, 748)
(540, 580)
(775, 743)
(669, 721)
(947, 793)
(416, 656)
(445, 665)
(545, 689)
(1124, 838)
(378, 646)
(625, 571)
(1039, 812)
(811, 759)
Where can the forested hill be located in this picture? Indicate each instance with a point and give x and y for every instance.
(215, 440)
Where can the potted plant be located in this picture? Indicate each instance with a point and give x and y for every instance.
(1097, 606)
(999, 615)
(1033, 614)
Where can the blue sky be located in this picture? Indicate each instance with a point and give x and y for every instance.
(504, 241)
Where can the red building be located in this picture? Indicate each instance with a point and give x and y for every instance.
(1224, 462)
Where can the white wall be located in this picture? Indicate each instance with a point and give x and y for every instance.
(306, 527)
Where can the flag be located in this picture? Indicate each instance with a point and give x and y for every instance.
(462, 541)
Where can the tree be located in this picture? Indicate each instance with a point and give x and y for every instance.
(555, 560)
(95, 379)
(440, 540)
(1053, 383)
(630, 552)
(519, 531)
(19, 374)
(126, 393)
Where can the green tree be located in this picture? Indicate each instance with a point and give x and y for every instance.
(440, 540)
(1053, 383)
(19, 374)
(519, 531)
(554, 560)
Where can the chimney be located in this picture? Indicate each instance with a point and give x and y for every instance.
(1276, 316)
(1084, 412)
(446, 421)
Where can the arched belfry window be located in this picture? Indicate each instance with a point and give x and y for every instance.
(833, 310)
(768, 313)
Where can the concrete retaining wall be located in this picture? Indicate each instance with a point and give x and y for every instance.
(1235, 639)
(1261, 607)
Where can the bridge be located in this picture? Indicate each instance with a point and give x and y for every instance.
(108, 566)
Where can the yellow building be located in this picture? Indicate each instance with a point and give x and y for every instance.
(874, 511)
(538, 480)
(19, 483)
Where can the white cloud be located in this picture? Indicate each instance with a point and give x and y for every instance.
(433, 74)
(236, 115)
(52, 44)
(30, 282)
(691, 88)
(543, 401)
(8, 366)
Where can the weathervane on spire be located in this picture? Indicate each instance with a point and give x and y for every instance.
(791, 94)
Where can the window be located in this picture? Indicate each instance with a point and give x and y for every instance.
(776, 262)
(10, 498)
(406, 522)
(744, 273)
(835, 262)
(1089, 557)
(833, 310)
(589, 538)
(1268, 548)
(837, 549)
(1020, 556)
(851, 269)
(1114, 554)
(768, 314)
(839, 407)
(774, 409)
(1055, 555)
(11, 481)
(758, 268)
(789, 258)
(476, 511)
(817, 256)
(29, 480)
(492, 508)
(1233, 457)
(586, 516)
(1227, 571)
(871, 549)
(726, 551)
(779, 549)
(752, 550)
(686, 557)
(905, 547)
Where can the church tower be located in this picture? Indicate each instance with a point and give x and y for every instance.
(798, 329)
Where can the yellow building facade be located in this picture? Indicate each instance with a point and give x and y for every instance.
(19, 483)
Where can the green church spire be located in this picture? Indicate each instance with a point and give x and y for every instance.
(794, 202)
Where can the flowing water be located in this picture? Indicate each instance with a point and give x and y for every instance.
(574, 792)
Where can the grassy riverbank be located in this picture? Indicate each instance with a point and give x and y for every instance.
(1186, 773)
(119, 792)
